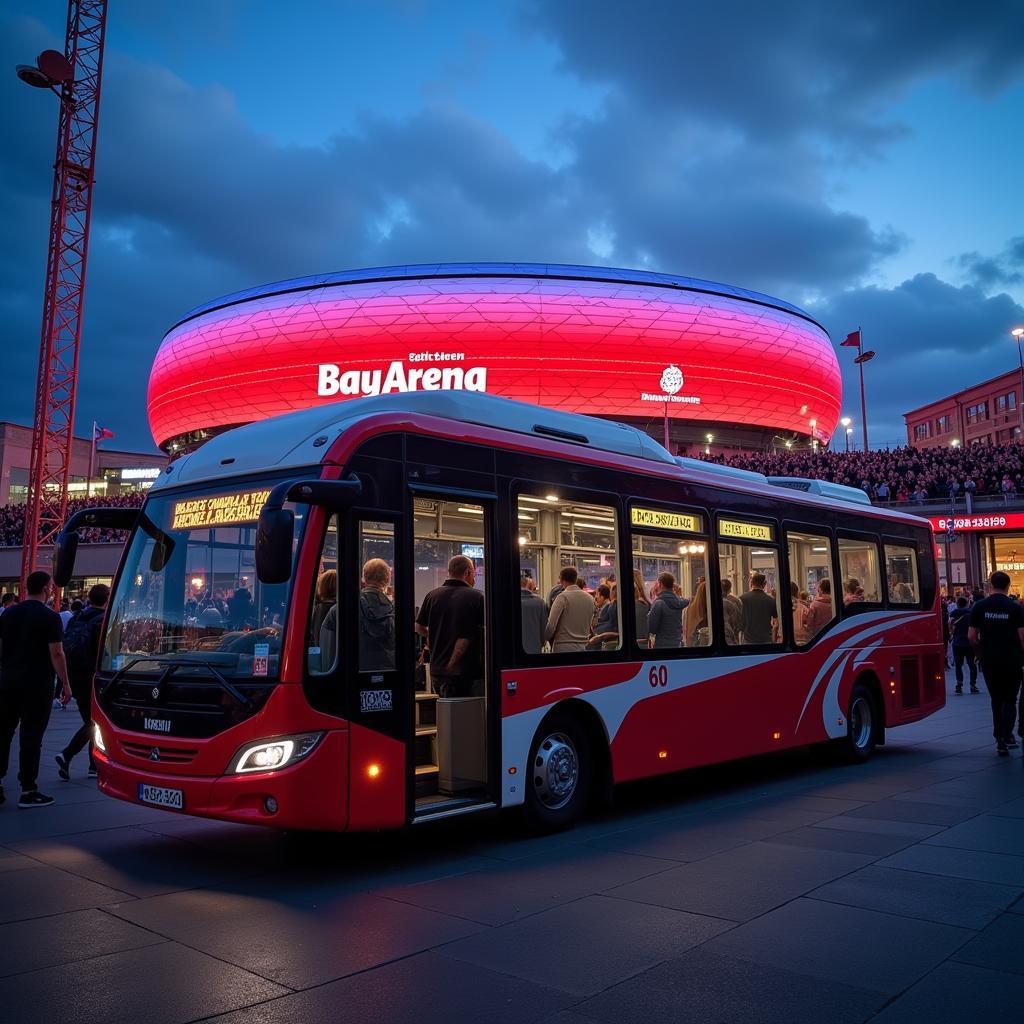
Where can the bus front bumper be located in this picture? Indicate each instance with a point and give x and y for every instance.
(308, 795)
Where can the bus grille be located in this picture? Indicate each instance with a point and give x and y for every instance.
(165, 755)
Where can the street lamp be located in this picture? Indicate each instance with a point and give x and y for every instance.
(845, 423)
(1018, 333)
(955, 443)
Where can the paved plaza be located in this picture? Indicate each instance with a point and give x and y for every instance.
(785, 888)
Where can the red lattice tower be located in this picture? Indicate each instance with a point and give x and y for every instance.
(78, 82)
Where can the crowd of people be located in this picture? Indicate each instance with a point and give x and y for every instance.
(12, 520)
(900, 474)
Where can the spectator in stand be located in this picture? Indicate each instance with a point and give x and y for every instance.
(6, 601)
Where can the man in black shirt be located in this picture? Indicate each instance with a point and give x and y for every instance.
(996, 633)
(959, 622)
(31, 651)
(451, 619)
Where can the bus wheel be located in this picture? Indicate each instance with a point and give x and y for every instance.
(859, 743)
(559, 773)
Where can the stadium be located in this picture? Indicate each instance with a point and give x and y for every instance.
(703, 363)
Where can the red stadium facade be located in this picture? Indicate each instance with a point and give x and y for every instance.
(750, 370)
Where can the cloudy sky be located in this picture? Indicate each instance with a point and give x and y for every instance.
(864, 160)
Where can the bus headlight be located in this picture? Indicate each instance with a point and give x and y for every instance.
(97, 738)
(270, 755)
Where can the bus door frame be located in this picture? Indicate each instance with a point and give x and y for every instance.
(492, 674)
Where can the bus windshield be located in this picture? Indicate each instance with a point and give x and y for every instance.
(188, 595)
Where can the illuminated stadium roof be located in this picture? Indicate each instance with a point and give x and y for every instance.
(622, 344)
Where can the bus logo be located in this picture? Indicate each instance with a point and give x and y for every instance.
(375, 700)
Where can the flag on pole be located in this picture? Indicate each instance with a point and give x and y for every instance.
(852, 340)
(101, 433)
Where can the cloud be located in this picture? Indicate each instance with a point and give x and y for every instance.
(931, 337)
(1005, 268)
(709, 156)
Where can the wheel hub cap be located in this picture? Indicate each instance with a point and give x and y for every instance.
(555, 770)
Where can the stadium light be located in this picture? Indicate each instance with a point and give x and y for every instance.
(955, 443)
(1018, 333)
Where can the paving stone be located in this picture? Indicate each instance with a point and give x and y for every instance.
(956, 901)
(688, 839)
(40, 891)
(998, 947)
(874, 844)
(855, 947)
(742, 883)
(299, 934)
(163, 984)
(948, 860)
(706, 986)
(987, 832)
(913, 811)
(65, 938)
(507, 891)
(881, 826)
(427, 989)
(954, 993)
(133, 861)
(588, 945)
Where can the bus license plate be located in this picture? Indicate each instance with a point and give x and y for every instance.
(162, 797)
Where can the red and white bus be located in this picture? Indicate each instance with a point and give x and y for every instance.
(232, 683)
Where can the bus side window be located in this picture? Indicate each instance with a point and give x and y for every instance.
(569, 590)
(859, 570)
(671, 564)
(376, 597)
(901, 574)
(811, 584)
(749, 580)
(322, 638)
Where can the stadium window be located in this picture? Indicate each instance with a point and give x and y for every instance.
(557, 534)
(1007, 403)
(811, 582)
(748, 568)
(901, 574)
(921, 432)
(944, 424)
(670, 551)
(858, 569)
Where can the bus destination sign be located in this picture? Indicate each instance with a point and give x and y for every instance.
(661, 520)
(218, 510)
(745, 531)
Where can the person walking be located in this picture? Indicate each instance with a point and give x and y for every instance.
(31, 652)
(81, 651)
(451, 619)
(571, 615)
(996, 632)
(959, 622)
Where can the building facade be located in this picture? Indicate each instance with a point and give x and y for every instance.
(115, 474)
(987, 413)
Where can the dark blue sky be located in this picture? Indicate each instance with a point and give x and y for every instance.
(863, 161)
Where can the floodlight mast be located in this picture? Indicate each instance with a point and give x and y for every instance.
(75, 77)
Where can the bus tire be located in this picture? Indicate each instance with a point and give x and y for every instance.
(861, 726)
(560, 773)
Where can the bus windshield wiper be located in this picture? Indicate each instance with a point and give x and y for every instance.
(171, 666)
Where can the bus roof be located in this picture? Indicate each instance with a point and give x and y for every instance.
(301, 439)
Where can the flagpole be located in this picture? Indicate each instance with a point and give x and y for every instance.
(863, 403)
(92, 460)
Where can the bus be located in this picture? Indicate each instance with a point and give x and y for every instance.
(241, 678)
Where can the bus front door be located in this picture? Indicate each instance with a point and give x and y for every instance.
(450, 756)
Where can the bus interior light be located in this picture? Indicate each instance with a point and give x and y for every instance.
(269, 755)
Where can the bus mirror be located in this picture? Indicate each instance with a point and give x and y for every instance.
(275, 532)
(65, 547)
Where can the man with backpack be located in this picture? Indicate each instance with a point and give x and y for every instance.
(81, 649)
